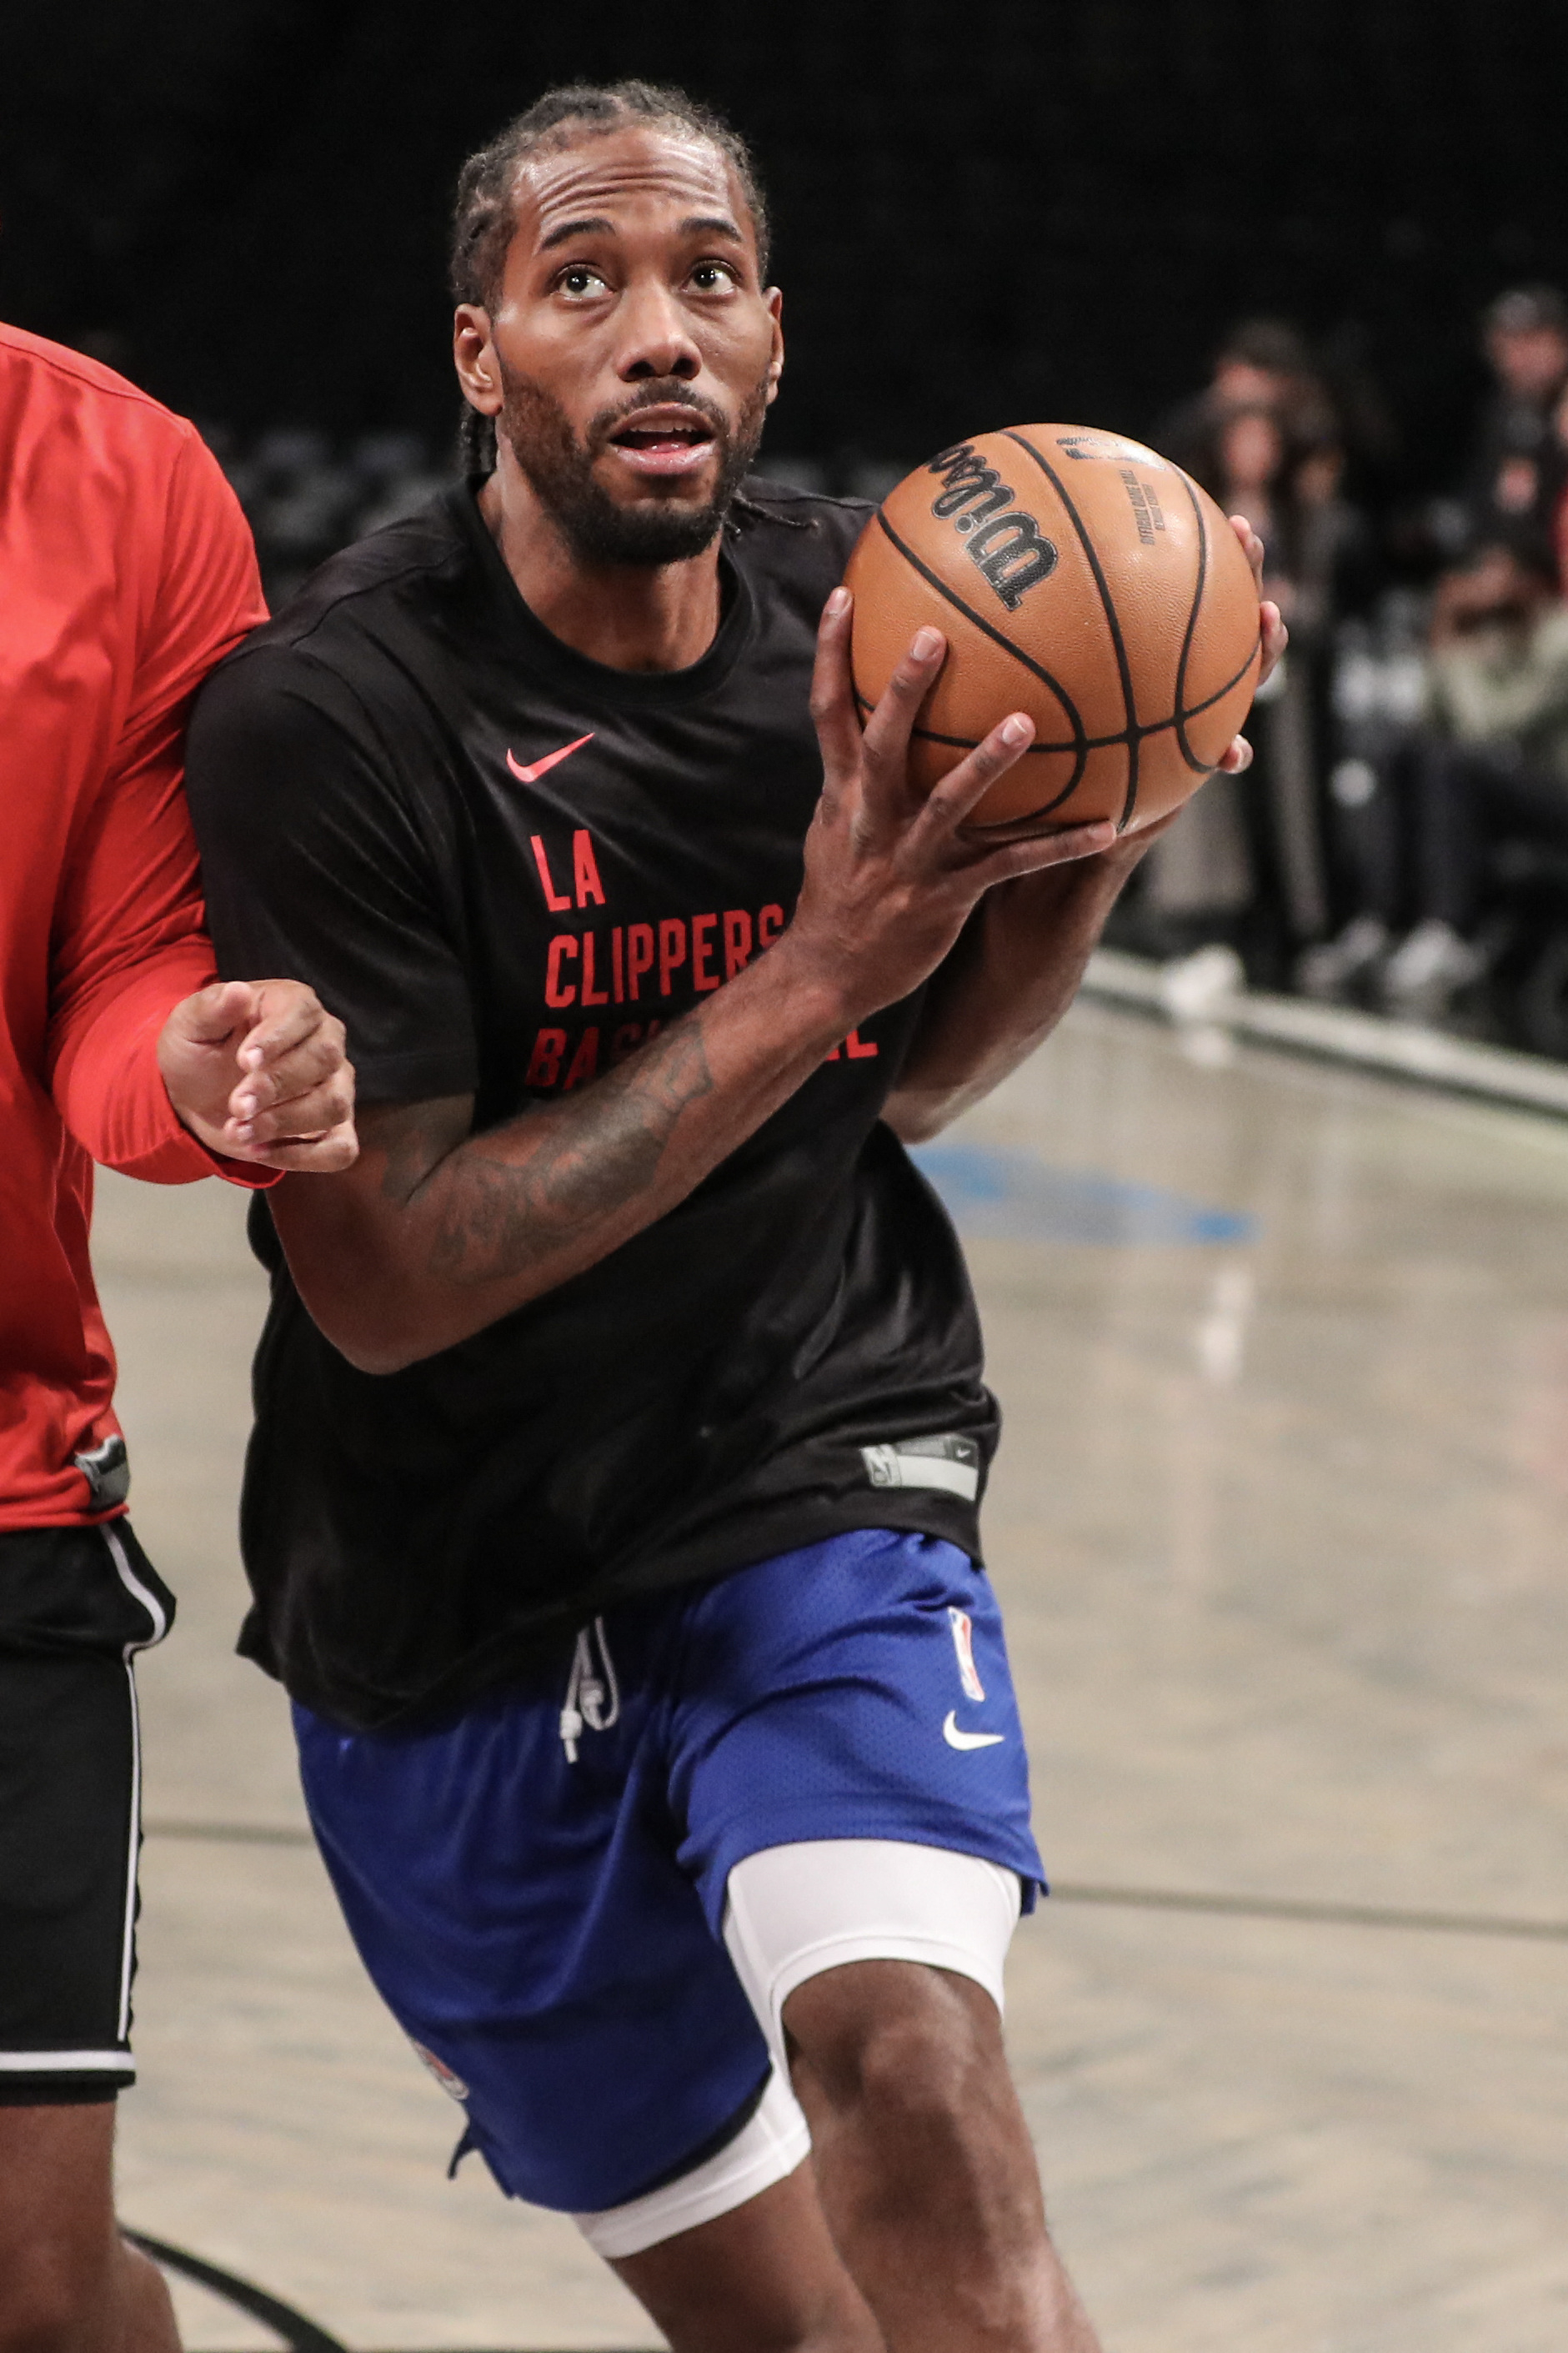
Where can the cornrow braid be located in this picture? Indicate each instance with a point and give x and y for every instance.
(483, 216)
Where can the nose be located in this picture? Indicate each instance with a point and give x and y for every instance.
(655, 338)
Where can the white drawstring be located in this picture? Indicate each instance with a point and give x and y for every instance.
(592, 1700)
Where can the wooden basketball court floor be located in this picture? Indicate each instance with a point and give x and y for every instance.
(1280, 1525)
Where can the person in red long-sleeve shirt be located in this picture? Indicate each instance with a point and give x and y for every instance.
(126, 572)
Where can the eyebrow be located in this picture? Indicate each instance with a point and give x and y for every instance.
(589, 227)
(594, 224)
(712, 225)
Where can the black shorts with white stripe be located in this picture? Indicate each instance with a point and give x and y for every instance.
(75, 1604)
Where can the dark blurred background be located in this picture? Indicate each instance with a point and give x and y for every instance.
(1314, 249)
(985, 213)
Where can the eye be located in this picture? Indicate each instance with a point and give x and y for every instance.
(579, 282)
(714, 277)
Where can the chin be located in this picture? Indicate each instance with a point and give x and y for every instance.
(661, 498)
(644, 534)
(651, 494)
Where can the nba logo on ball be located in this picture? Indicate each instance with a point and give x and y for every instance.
(963, 1643)
(1077, 577)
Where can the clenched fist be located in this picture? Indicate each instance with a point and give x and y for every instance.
(256, 1070)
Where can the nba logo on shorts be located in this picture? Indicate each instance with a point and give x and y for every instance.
(963, 1643)
(448, 2081)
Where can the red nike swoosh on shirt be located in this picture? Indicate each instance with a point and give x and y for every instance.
(530, 774)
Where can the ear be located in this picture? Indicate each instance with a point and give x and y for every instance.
(473, 357)
(773, 298)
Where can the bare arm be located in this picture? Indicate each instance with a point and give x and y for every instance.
(1017, 964)
(1011, 976)
(440, 1231)
(437, 1233)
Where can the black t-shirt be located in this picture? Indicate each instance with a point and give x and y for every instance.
(506, 866)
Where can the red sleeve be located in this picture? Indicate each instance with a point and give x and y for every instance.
(129, 939)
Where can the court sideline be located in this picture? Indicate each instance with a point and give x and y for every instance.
(1278, 1527)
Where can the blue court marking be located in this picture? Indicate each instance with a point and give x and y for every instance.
(1010, 1196)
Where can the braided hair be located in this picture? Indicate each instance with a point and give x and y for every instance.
(483, 217)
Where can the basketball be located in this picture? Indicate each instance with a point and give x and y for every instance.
(1077, 577)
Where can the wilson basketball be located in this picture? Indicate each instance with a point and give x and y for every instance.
(1077, 577)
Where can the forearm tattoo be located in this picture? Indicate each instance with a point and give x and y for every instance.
(502, 1213)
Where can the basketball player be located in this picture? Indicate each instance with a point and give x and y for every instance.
(612, 1507)
(128, 570)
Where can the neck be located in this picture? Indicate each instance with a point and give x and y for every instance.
(662, 617)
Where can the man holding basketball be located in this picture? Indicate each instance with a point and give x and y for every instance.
(612, 1511)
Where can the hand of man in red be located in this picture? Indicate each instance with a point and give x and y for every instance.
(256, 1070)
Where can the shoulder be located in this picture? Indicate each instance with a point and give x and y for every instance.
(358, 615)
(90, 452)
(795, 536)
(48, 385)
(123, 515)
(287, 756)
(372, 588)
(340, 668)
(71, 373)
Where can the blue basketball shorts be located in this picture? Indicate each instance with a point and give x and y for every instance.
(538, 1885)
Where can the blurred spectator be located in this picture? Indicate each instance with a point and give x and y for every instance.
(1492, 760)
(1262, 363)
(1378, 694)
(1365, 426)
(1459, 780)
(1245, 460)
(1266, 436)
(1280, 464)
(1267, 362)
(1519, 469)
(1560, 510)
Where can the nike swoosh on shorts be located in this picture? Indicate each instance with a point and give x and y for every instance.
(537, 768)
(956, 1739)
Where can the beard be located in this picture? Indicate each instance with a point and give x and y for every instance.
(597, 529)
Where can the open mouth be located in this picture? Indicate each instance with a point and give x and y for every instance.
(664, 440)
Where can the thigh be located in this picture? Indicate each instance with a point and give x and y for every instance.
(855, 1689)
(68, 1835)
(795, 1912)
(511, 1881)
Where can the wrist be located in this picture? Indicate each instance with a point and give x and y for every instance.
(193, 1116)
(169, 1071)
(1085, 884)
(815, 1009)
(192, 1122)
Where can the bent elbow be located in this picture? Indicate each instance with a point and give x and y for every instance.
(373, 1339)
(915, 1119)
(374, 1356)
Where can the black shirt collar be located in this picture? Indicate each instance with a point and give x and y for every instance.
(643, 689)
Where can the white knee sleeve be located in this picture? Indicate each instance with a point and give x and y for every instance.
(763, 2151)
(794, 1910)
